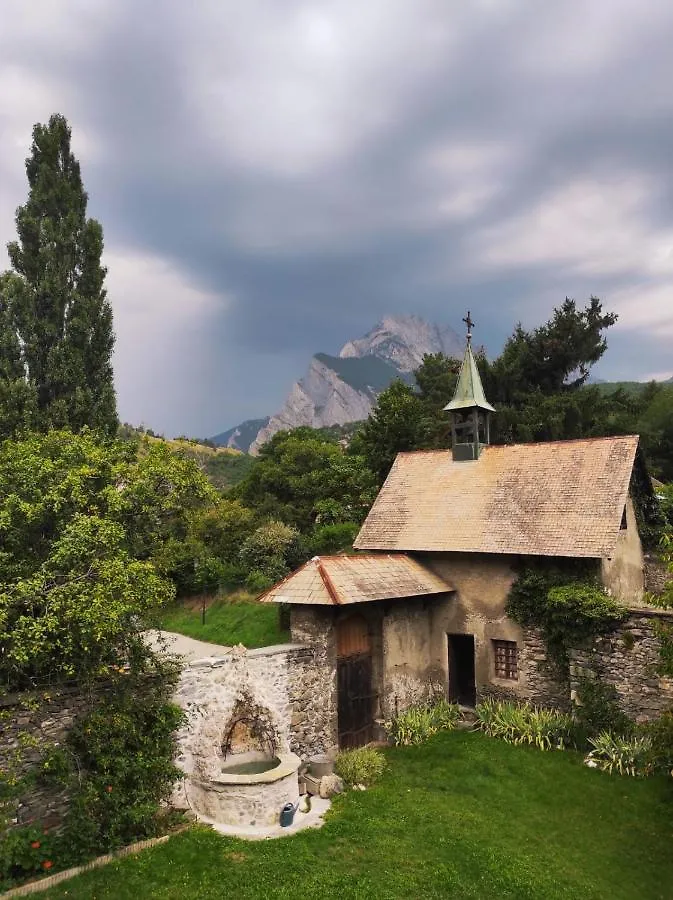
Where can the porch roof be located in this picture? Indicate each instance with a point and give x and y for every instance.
(340, 580)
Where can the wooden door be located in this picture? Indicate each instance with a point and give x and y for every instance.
(356, 698)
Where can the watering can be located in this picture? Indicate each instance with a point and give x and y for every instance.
(287, 814)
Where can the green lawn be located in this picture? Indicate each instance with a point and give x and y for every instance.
(231, 620)
(463, 816)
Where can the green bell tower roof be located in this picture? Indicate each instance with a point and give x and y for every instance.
(469, 390)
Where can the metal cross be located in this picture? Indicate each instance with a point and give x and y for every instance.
(470, 325)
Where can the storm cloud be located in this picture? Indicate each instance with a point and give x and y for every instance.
(273, 178)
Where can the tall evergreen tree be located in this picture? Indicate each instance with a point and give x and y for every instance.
(17, 397)
(54, 312)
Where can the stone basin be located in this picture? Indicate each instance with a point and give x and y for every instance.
(248, 798)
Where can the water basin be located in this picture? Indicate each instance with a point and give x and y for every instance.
(250, 767)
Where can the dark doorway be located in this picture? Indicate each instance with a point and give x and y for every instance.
(462, 688)
(356, 698)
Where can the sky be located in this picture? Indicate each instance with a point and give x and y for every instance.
(273, 178)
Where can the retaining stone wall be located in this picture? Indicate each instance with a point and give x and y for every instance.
(30, 724)
(627, 658)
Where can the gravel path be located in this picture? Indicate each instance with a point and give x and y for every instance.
(185, 646)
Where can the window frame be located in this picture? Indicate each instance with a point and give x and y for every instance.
(505, 659)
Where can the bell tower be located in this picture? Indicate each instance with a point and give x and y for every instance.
(470, 411)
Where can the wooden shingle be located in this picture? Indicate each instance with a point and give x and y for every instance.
(337, 580)
(562, 498)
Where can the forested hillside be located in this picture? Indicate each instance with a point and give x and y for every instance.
(223, 466)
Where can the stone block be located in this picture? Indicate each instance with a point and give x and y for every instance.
(330, 785)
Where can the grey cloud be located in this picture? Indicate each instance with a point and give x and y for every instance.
(304, 259)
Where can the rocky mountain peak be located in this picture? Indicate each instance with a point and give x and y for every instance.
(404, 341)
(337, 390)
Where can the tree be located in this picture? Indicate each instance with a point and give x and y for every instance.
(17, 396)
(552, 359)
(395, 425)
(54, 314)
(297, 471)
(534, 385)
(656, 427)
(83, 524)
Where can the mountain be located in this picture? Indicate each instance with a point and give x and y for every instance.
(241, 436)
(336, 390)
(403, 341)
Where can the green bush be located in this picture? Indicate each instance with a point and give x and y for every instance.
(522, 723)
(631, 755)
(598, 710)
(569, 607)
(660, 732)
(328, 539)
(273, 549)
(25, 851)
(418, 723)
(257, 581)
(362, 766)
(121, 765)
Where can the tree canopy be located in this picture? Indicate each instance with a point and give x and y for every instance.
(82, 527)
(538, 387)
(56, 336)
(303, 474)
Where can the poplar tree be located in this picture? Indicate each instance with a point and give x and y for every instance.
(55, 319)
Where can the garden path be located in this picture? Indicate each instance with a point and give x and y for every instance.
(185, 646)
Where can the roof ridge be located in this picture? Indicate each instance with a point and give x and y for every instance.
(564, 441)
(335, 597)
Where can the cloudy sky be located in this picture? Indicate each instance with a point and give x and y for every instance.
(274, 177)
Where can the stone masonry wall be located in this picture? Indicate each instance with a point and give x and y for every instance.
(627, 658)
(314, 682)
(31, 724)
(286, 681)
(543, 686)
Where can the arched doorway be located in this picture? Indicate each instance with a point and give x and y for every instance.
(355, 705)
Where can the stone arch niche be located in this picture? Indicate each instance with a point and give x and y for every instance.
(249, 731)
(234, 748)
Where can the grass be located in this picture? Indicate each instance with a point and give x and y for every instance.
(236, 619)
(463, 816)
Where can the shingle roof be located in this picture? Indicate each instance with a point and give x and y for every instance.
(340, 580)
(563, 498)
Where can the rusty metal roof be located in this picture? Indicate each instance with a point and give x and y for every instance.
(562, 498)
(337, 580)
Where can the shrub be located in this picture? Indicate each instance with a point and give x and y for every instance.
(660, 732)
(257, 581)
(272, 549)
(121, 764)
(25, 851)
(361, 766)
(418, 723)
(521, 723)
(598, 710)
(630, 755)
(568, 606)
(328, 539)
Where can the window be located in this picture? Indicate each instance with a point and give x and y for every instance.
(506, 659)
(623, 525)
